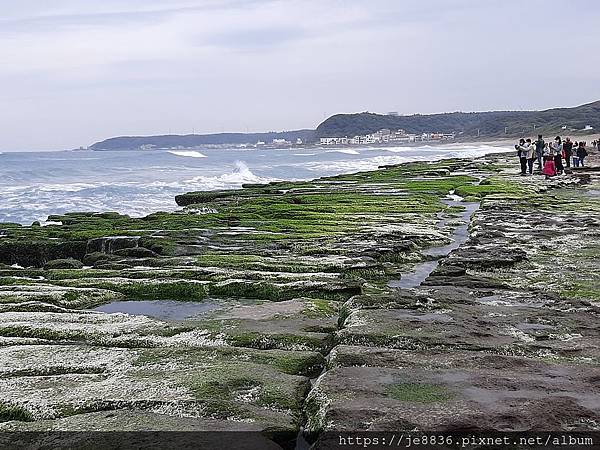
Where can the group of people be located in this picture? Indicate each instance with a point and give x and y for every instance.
(552, 157)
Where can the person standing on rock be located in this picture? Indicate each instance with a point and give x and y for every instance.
(581, 153)
(546, 153)
(530, 154)
(522, 155)
(568, 151)
(539, 150)
(549, 169)
(557, 148)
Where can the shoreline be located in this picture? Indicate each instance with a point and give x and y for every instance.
(216, 172)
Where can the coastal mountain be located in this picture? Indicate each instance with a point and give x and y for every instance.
(490, 124)
(194, 140)
(467, 124)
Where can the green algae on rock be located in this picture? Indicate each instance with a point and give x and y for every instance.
(301, 275)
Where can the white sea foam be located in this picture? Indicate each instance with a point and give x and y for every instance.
(397, 149)
(241, 175)
(347, 151)
(34, 186)
(188, 153)
(417, 154)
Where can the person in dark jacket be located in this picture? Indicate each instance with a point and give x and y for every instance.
(581, 153)
(568, 151)
(522, 155)
(539, 150)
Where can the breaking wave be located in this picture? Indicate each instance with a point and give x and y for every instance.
(35, 185)
(241, 175)
(187, 153)
(425, 153)
(347, 151)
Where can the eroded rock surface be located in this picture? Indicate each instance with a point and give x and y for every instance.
(304, 330)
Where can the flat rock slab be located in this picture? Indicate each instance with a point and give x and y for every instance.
(264, 388)
(453, 392)
(501, 329)
(184, 433)
(299, 324)
(67, 297)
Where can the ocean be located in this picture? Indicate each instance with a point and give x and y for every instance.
(34, 185)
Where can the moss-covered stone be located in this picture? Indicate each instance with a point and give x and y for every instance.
(419, 392)
(10, 412)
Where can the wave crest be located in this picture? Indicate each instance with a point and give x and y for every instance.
(187, 153)
(241, 175)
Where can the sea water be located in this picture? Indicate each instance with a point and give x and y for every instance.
(34, 185)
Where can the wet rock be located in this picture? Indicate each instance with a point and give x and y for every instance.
(297, 325)
(449, 271)
(502, 334)
(468, 281)
(487, 257)
(182, 432)
(67, 297)
(235, 386)
(36, 253)
(136, 252)
(69, 263)
(445, 399)
(105, 265)
(193, 198)
(91, 259)
(498, 328)
(111, 244)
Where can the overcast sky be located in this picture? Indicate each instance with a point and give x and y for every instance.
(74, 71)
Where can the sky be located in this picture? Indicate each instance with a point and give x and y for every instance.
(73, 72)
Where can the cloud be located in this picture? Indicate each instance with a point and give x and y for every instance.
(82, 71)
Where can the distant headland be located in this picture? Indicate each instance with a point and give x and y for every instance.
(461, 125)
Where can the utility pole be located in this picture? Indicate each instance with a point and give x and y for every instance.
(505, 130)
(478, 132)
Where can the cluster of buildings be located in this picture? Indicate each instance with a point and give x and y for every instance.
(387, 136)
(279, 143)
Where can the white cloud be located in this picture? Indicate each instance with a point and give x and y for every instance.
(81, 71)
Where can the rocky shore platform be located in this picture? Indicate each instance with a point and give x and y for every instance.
(453, 295)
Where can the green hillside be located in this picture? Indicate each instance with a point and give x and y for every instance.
(485, 124)
(194, 140)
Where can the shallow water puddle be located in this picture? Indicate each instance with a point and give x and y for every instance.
(459, 236)
(415, 277)
(160, 309)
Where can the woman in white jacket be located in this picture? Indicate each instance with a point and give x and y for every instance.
(526, 152)
(557, 148)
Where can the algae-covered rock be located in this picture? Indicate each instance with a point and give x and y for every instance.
(69, 263)
(60, 296)
(36, 253)
(515, 395)
(298, 281)
(136, 252)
